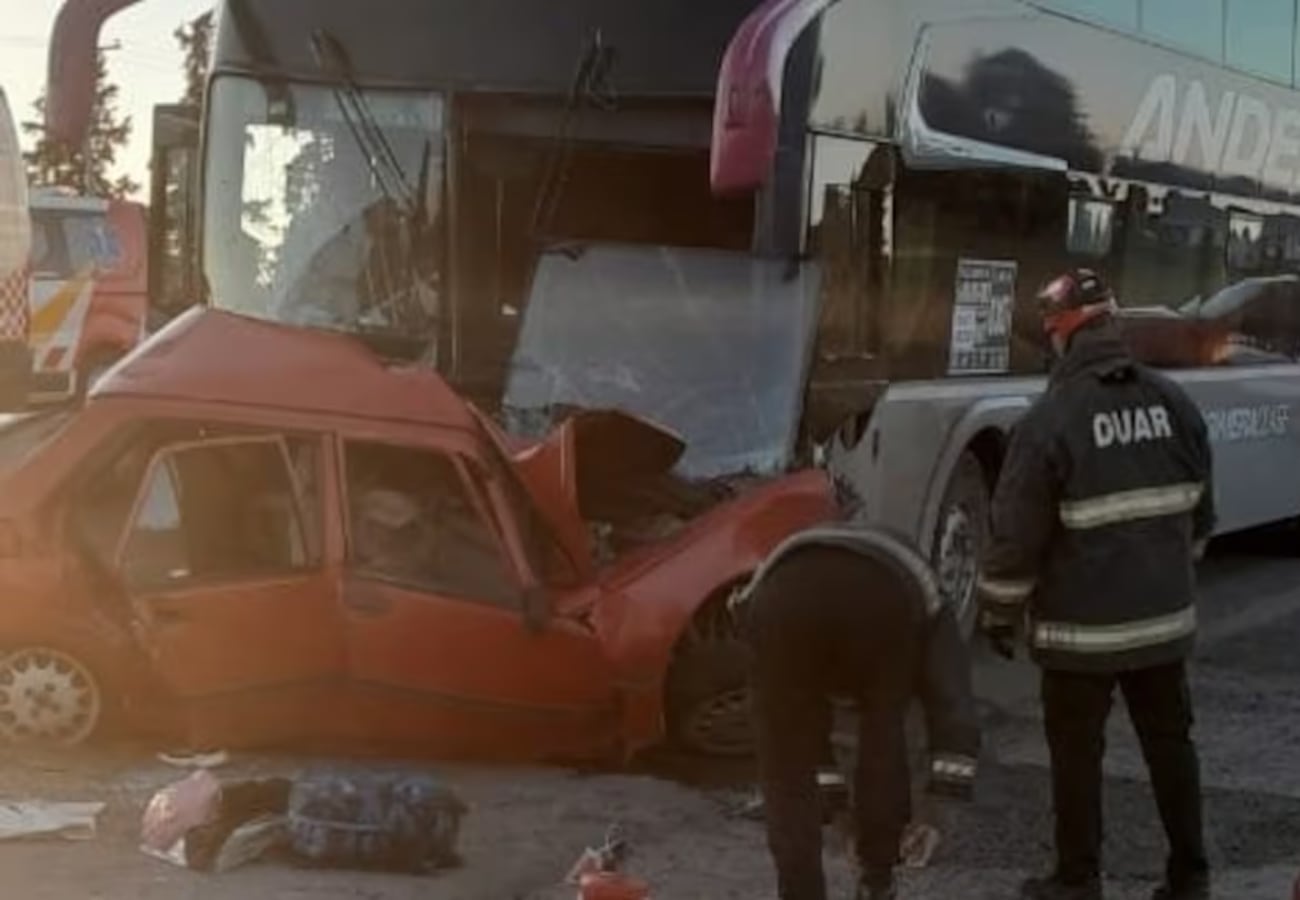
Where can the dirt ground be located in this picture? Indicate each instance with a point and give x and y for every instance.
(526, 826)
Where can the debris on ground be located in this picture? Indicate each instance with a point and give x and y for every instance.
(29, 819)
(175, 811)
(200, 823)
(598, 872)
(394, 821)
(920, 841)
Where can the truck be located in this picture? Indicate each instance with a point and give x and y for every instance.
(89, 288)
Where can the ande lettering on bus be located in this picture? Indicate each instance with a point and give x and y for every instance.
(1233, 135)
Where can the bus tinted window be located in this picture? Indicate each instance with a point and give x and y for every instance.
(1121, 13)
(1193, 25)
(1259, 37)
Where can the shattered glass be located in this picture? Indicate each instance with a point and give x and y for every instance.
(299, 226)
(714, 345)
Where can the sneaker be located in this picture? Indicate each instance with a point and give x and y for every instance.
(1058, 888)
(1195, 888)
(194, 759)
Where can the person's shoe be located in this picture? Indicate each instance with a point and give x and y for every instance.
(877, 885)
(1058, 888)
(1195, 888)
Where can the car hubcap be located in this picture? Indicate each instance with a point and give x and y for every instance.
(957, 563)
(46, 696)
(721, 725)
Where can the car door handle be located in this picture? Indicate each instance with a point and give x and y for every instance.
(367, 602)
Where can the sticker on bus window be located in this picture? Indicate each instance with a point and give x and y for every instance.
(981, 317)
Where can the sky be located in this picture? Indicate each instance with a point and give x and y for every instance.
(147, 63)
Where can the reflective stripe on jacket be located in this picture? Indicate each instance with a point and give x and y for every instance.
(1106, 487)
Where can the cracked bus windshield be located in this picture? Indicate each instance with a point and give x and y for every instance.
(322, 215)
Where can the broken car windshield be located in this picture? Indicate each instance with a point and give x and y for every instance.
(711, 344)
(300, 229)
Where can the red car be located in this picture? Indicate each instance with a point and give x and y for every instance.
(252, 535)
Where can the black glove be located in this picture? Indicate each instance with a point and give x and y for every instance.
(1001, 637)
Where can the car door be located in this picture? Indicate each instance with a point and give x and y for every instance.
(438, 648)
(233, 600)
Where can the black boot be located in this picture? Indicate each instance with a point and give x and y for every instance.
(1195, 887)
(877, 884)
(1058, 888)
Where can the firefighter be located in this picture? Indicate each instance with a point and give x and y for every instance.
(846, 614)
(1103, 507)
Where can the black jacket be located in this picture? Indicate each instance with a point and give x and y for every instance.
(1105, 490)
(943, 682)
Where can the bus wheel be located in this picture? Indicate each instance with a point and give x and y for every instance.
(960, 537)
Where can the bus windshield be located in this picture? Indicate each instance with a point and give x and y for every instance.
(322, 205)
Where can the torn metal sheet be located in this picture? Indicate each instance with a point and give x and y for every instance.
(26, 819)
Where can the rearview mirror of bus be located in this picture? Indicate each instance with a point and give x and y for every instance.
(173, 220)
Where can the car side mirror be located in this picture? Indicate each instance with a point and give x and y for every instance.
(536, 608)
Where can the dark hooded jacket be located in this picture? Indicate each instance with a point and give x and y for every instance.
(1105, 490)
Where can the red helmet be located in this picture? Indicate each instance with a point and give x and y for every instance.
(1072, 300)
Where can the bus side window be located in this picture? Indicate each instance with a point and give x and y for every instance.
(1091, 227)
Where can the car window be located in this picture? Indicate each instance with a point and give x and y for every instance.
(412, 521)
(225, 509)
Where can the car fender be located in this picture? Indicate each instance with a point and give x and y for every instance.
(647, 606)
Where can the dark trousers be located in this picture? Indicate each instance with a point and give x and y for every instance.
(827, 624)
(1076, 707)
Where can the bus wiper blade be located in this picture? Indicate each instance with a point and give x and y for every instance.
(590, 85)
(360, 119)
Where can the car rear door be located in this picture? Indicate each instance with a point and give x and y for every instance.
(234, 602)
(438, 649)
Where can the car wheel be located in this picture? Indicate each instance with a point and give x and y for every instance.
(708, 688)
(48, 696)
(960, 537)
(708, 701)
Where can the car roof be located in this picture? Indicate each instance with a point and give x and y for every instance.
(212, 356)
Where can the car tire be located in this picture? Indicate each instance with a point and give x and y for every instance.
(49, 696)
(708, 700)
(961, 534)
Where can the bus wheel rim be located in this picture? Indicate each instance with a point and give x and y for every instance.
(957, 563)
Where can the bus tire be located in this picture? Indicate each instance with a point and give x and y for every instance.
(961, 534)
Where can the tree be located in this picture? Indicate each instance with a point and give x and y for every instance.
(87, 168)
(195, 38)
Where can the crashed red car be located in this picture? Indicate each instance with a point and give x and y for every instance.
(252, 535)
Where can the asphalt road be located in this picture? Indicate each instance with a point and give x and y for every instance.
(1246, 685)
(527, 826)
